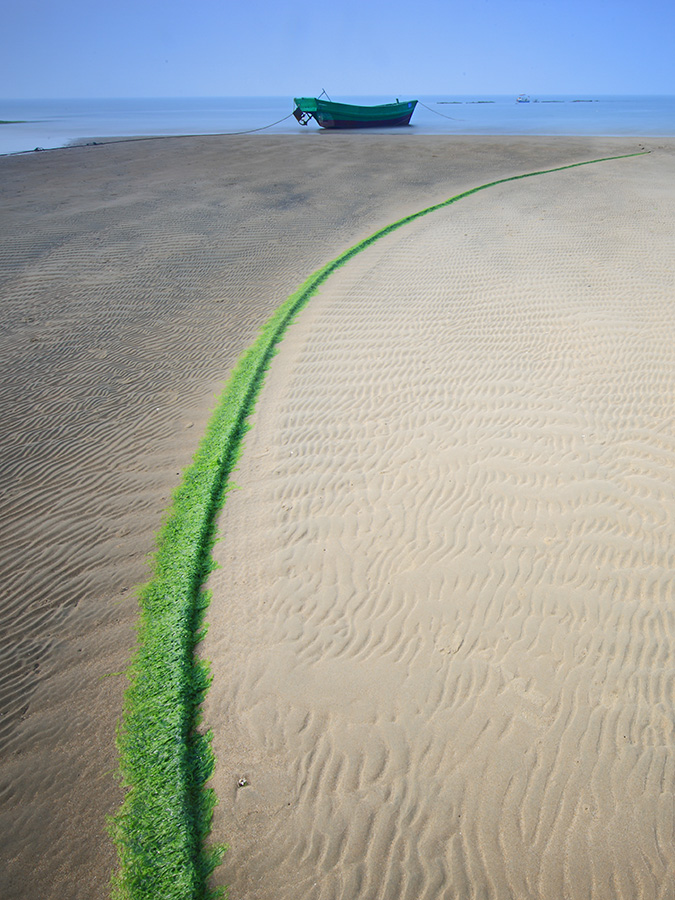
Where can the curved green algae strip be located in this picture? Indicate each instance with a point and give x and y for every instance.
(165, 761)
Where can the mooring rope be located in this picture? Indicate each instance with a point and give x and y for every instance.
(251, 130)
(153, 137)
(442, 115)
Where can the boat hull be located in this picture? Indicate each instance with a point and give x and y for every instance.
(330, 122)
(345, 115)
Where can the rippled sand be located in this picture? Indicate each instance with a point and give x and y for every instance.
(396, 526)
(443, 633)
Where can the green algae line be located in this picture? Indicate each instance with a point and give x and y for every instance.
(165, 759)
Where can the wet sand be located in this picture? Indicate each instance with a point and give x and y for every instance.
(446, 575)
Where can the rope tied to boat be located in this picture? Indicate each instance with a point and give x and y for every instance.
(262, 128)
(442, 115)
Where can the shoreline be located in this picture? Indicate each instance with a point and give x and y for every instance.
(100, 140)
(111, 298)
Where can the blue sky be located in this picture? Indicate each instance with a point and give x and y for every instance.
(144, 48)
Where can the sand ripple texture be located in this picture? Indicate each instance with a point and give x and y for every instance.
(132, 276)
(443, 632)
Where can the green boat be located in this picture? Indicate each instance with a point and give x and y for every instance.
(346, 115)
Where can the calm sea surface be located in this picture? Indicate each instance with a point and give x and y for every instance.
(57, 123)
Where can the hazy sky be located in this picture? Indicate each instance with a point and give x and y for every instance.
(145, 48)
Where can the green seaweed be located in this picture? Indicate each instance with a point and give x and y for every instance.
(162, 827)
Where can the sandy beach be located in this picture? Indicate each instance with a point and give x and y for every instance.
(442, 631)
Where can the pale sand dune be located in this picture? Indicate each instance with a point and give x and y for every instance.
(131, 277)
(443, 631)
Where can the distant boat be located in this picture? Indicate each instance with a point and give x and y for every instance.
(522, 98)
(346, 115)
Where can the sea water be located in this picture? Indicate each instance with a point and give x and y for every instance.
(47, 124)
